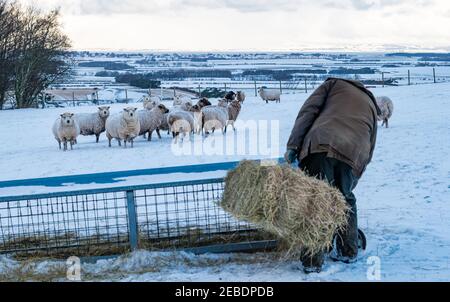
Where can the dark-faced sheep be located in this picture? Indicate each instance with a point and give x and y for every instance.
(233, 112)
(230, 96)
(151, 120)
(203, 102)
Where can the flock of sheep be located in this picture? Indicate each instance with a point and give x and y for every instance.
(183, 118)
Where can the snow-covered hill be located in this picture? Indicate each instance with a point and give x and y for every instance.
(403, 199)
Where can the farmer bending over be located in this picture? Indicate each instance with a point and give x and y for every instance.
(333, 139)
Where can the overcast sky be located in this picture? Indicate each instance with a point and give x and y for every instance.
(255, 25)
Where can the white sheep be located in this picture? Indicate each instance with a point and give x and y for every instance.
(387, 109)
(215, 117)
(66, 129)
(151, 120)
(123, 126)
(151, 102)
(93, 123)
(234, 108)
(180, 100)
(185, 106)
(240, 96)
(269, 95)
(180, 122)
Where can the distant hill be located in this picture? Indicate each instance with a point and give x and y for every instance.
(423, 56)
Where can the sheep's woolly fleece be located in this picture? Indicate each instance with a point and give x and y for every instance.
(302, 211)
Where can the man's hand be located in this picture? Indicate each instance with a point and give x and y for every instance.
(291, 156)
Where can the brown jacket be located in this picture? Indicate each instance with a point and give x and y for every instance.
(339, 118)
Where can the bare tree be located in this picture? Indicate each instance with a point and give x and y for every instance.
(9, 36)
(43, 52)
(33, 52)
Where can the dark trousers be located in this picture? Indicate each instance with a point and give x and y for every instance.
(340, 175)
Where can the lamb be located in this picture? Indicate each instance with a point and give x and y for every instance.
(387, 109)
(93, 123)
(268, 95)
(240, 96)
(215, 117)
(180, 122)
(66, 129)
(123, 126)
(151, 120)
(233, 112)
(151, 102)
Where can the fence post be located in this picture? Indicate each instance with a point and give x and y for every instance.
(256, 89)
(73, 98)
(199, 90)
(306, 86)
(434, 75)
(409, 77)
(281, 88)
(132, 220)
(225, 87)
(382, 78)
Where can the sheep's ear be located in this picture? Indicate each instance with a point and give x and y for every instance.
(108, 107)
(71, 115)
(61, 115)
(135, 108)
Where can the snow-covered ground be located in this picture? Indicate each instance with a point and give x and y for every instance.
(403, 199)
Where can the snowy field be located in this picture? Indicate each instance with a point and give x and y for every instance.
(403, 199)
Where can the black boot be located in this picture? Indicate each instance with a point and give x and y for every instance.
(313, 264)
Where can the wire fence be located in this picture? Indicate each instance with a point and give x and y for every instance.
(117, 220)
(195, 88)
(307, 83)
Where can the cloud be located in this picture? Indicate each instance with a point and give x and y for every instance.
(107, 7)
(287, 24)
(247, 5)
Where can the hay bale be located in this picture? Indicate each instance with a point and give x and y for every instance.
(302, 211)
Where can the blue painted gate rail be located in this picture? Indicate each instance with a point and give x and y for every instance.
(106, 221)
(112, 177)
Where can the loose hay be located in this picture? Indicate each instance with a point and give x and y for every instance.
(302, 211)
